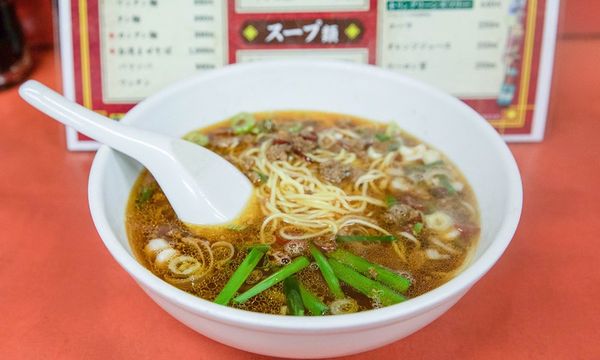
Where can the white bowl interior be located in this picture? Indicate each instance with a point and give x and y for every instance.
(434, 117)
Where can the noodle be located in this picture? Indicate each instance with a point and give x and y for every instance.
(295, 196)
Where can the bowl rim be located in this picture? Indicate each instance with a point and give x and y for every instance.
(454, 288)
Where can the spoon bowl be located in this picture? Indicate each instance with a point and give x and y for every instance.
(191, 176)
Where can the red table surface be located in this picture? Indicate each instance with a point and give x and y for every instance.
(63, 296)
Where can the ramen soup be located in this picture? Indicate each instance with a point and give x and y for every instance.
(347, 215)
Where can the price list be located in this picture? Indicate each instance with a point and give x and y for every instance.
(147, 44)
(457, 45)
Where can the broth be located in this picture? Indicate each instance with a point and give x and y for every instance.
(349, 186)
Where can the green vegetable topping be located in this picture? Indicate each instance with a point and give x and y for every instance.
(235, 227)
(262, 177)
(312, 303)
(242, 123)
(295, 127)
(290, 269)
(371, 270)
(261, 246)
(382, 137)
(417, 228)
(263, 127)
(196, 138)
(394, 146)
(348, 238)
(327, 272)
(392, 129)
(241, 274)
(145, 194)
(291, 289)
(435, 163)
(390, 201)
(445, 182)
(371, 288)
(267, 125)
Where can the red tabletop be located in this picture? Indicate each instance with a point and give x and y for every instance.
(63, 296)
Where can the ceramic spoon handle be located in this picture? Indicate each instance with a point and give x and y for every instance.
(137, 143)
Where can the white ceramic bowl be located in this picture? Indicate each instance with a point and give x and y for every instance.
(365, 91)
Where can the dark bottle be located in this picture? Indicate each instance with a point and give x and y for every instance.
(15, 60)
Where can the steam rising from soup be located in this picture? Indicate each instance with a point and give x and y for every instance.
(347, 215)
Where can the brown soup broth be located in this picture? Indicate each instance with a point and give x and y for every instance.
(413, 192)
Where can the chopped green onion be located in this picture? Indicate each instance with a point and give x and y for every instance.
(382, 137)
(263, 127)
(414, 167)
(343, 306)
(392, 129)
(241, 274)
(196, 138)
(327, 272)
(434, 164)
(145, 194)
(374, 290)
(312, 303)
(242, 123)
(347, 238)
(290, 269)
(235, 227)
(445, 182)
(371, 270)
(291, 289)
(417, 228)
(295, 128)
(394, 146)
(390, 201)
(262, 177)
(267, 125)
(261, 246)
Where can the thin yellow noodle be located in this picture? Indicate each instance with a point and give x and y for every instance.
(348, 133)
(282, 233)
(295, 196)
(365, 223)
(399, 252)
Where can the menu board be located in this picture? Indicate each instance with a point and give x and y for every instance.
(495, 55)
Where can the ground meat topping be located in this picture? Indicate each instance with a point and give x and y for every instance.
(222, 141)
(334, 171)
(353, 144)
(303, 144)
(278, 152)
(400, 214)
(283, 136)
(309, 134)
(381, 146)
(326, 244)
(356, 172)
